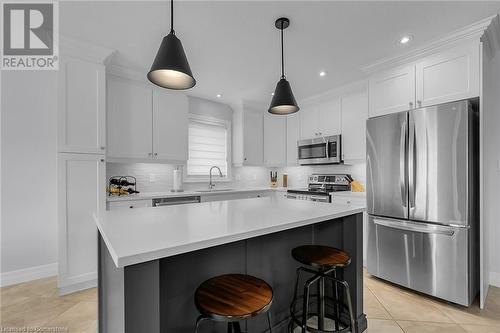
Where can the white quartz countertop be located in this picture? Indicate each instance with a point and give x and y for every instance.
(154, 195)
(143, 234)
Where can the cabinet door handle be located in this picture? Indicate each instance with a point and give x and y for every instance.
(150, 154)
(156, 154)
(103, 147)
(411, 105)
(102, 159)
(419, 103)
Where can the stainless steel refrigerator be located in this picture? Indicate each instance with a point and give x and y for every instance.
(422, 199)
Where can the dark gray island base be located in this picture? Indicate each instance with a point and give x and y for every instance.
(157, 296)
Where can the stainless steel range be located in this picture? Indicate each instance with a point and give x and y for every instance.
(321, 186)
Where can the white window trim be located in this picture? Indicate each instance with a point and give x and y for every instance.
(216, 178)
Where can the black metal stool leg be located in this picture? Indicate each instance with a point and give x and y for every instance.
(269, 322)
(305, 308)
(236, 327)
(321, 304)
(336, 307)
(198, 321)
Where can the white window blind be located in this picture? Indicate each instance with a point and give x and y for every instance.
(207, 147)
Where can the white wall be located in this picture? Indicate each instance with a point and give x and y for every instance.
(28, 140)
(491, 164)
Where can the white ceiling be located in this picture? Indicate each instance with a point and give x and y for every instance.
(233, 46)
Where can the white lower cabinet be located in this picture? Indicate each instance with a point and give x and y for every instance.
(81, 194)
(117, 205)
(274, 140)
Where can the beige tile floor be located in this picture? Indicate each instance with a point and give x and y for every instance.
(390, 309)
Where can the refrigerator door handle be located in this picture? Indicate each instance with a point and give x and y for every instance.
(411, 163)
(402, 161)
(416, 227)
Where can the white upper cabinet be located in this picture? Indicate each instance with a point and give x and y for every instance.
(445, 76)
(253, 141)
(320, 119)
(146, 123)
(329, 117)
(354, 115)
(392, 91)
(292, 136)
(170, 125)
(448, 76)
(248, 136)
(309, 123)
(82, 113)
(274, 140)
(129, 119)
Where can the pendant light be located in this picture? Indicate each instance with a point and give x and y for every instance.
(170, 68)
(283, 101)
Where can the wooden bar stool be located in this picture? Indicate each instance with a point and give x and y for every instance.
(231, 298)
(323, 263)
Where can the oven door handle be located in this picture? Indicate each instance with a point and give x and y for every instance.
(319, 198)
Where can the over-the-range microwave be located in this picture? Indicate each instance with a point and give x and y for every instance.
(323, 150)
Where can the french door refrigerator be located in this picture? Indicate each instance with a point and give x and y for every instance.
(422, 200)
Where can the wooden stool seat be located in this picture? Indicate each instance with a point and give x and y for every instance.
(233, 297)
(322, 257)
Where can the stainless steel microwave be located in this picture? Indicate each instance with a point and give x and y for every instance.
(323, 150)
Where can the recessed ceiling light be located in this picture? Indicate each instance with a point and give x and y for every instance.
(405, 39)
(219, 95)
(322, 73)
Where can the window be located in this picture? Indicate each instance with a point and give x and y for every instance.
(208, 146)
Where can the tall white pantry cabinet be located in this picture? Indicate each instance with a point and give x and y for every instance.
(81, 162)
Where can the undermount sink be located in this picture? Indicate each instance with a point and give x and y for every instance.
(217, 190)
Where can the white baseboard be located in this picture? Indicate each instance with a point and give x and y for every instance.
(495, 279)
(77, 287)
(27, 274)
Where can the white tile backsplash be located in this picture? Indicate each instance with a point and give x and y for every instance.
(153, 177)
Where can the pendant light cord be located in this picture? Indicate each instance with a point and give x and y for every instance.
(172, 17)
(282, 56)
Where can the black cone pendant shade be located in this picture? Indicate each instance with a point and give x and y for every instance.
(170, 68)
(283, 101)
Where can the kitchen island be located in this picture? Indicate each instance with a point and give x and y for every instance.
(152, 259)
